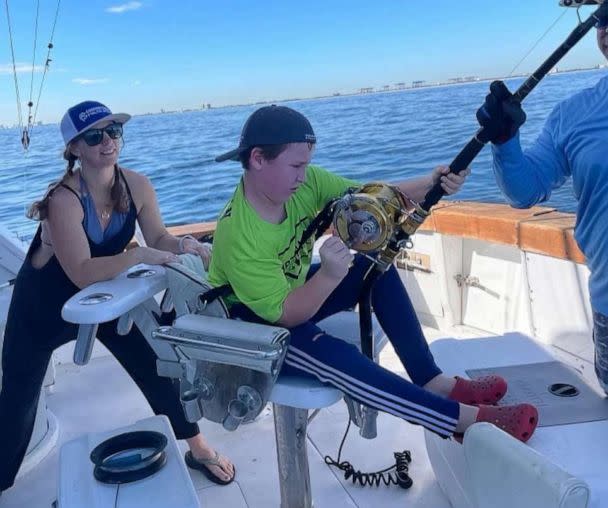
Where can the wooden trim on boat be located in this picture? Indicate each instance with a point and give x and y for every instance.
(538, 229)
(197, 230)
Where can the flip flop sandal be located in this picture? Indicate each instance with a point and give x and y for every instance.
(486, 390)
(201, 465)
(519, 420)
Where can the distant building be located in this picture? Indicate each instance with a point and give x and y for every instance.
(366, 90)
(386, 87)
(399, 86)
(418, 83)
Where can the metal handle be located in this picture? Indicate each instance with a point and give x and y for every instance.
(193, 342)
(472, 281)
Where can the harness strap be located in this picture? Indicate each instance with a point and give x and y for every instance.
(215, 293)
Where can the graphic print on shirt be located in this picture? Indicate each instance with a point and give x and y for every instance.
(294, 258)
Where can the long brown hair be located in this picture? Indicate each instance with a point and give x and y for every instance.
(39, 210)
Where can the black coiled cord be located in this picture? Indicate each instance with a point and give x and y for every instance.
(397, 474)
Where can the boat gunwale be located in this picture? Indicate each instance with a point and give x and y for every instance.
(541, 230)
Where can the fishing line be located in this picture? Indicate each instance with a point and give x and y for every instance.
(10, 37)
(47, 61)
(538, 41)
(25, 131)
(30, 103)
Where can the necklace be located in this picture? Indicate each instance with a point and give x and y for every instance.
(106, 210)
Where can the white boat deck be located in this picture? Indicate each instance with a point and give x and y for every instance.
(100, 397)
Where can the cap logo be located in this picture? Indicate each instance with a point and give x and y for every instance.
(97, 110)
(310, 137)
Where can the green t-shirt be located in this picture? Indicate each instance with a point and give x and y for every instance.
(257, 258)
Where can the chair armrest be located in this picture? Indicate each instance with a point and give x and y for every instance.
(108, 300)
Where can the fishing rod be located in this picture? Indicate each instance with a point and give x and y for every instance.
(478, 141)
(378, 220)
(406, 228)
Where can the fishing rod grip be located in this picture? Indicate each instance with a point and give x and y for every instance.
(460, 163)
(474, 146)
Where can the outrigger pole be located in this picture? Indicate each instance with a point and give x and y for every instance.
(460, 163)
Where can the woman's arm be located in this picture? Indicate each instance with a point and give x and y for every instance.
(152, 226)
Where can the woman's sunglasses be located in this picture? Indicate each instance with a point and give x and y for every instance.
(93, 137)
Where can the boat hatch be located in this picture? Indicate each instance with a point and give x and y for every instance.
(559, 393)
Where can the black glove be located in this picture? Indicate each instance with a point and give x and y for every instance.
(501, 115)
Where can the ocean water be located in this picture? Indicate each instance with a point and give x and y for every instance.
(383, 136)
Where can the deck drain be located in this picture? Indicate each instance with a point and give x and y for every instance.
(563, 390)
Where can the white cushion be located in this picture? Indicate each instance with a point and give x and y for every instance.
(505, 472)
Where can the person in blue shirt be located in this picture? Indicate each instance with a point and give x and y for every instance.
(571, 144)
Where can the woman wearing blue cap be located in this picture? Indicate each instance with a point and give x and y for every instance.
(260, 251)
(86, 221)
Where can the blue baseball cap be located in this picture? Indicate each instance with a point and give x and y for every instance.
(272, 125)
(86, 115)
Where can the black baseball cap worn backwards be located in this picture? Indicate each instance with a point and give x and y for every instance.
(272, 125)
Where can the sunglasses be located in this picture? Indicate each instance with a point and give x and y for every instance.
(93, 137)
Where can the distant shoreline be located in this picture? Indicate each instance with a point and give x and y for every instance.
(398, 87)
(385, 89)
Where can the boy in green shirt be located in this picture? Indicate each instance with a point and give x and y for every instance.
(259, 251)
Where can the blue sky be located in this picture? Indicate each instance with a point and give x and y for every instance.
(141, 56)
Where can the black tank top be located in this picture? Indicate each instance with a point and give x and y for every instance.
(40, 293)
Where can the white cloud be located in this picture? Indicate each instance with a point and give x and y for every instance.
(86, 81)
(119, 9)
(20, 68)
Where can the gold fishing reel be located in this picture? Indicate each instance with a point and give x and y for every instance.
(367, 219)
(371, 219)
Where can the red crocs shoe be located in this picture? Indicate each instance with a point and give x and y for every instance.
(519, 420)
(486, 390)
